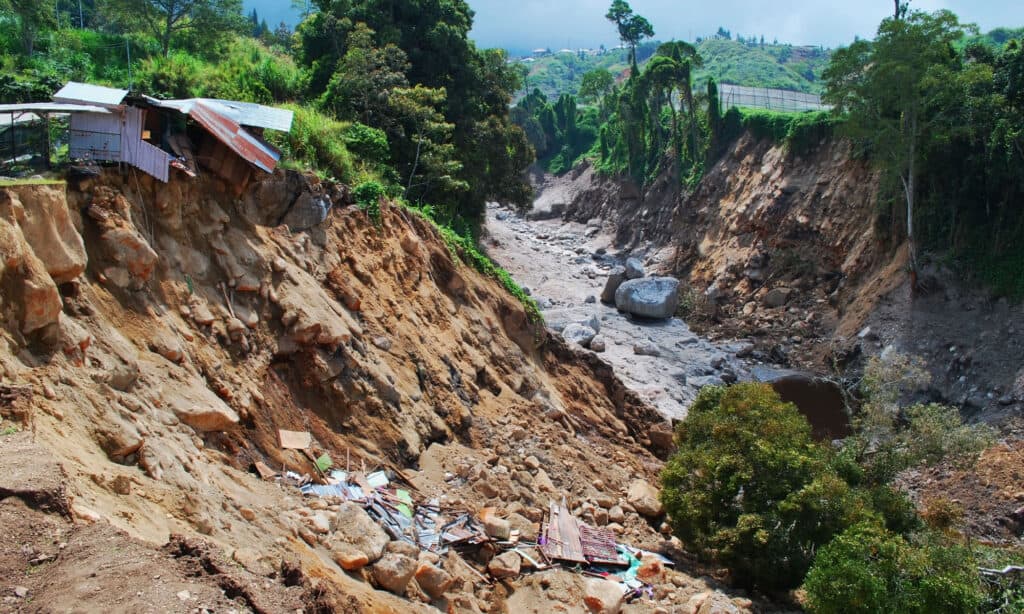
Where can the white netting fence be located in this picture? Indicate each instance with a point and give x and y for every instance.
(766, 98)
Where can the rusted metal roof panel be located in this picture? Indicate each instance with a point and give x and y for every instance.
(50, 107)
(247, 146)
(90, 94)
(242, 113)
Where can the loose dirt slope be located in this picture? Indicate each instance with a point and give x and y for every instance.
(155, 338)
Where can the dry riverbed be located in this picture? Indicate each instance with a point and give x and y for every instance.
(565, 264)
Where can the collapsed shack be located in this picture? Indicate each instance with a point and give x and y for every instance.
(488, 544)
(222, 137)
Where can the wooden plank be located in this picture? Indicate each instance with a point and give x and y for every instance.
(294, 440)
(563, 537)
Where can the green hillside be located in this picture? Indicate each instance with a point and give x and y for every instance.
(728, 61)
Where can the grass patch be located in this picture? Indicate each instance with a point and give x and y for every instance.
(10, 183)
(800, 132)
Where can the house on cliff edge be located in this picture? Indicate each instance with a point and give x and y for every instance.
(223, 137)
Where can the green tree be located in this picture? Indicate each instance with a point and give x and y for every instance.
(886, 89)
(364, 79)
(33, 16)
(208, 19)
(596, 84)
(685, 58)
(750, 488)
(867, 569)
(632, 28)
(479, 86)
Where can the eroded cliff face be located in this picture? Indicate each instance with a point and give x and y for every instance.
(155, 338)
(783, 247)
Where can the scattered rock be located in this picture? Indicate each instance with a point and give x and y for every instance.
(646, 348)
(20, 592)
(498, 528)
(505, 565)
(349, 558)
(527, 530)
(634, 268)
(615, 279)
(579, 334)
(598, 344)
(603, 596)
(433, 580)
(652, 297)
(393, 572)
(645, 499)
(777, 297)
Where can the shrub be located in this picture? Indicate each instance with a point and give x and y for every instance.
(368, 143)
(750, 488)
(869, 569)
(367, 195)
(315, 142)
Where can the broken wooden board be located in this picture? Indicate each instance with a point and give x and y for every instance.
(563, 536)
(294, 440)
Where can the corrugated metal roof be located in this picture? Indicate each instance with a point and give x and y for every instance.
(240, 141)
(242, 113)
(51, 107)
(258, 115)
(91, 94)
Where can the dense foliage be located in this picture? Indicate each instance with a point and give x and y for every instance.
(749, 488)
(883, 572)
(942, 116)
(409, 68)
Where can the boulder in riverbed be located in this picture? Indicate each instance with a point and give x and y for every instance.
(650, 297)
(578, 334)
(634, 268)
(615, 279)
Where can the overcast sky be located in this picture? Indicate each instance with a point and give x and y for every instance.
(581, 23)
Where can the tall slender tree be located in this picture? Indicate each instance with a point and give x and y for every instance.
(632, 28)
(887, 87)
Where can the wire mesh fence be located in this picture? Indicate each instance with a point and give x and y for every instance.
(766, 98)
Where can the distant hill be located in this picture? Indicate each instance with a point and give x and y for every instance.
(728, 61)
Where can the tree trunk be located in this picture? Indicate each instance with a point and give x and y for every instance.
(908, 188)
(168, 28)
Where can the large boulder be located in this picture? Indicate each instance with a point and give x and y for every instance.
(603, 596)
(578, 334)
(650, 297)
(41, 211)
(615, 279)
(353, 526)
(645, 499)
(507, 565)
(394, 571)
(634, 268)
(198, 407)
